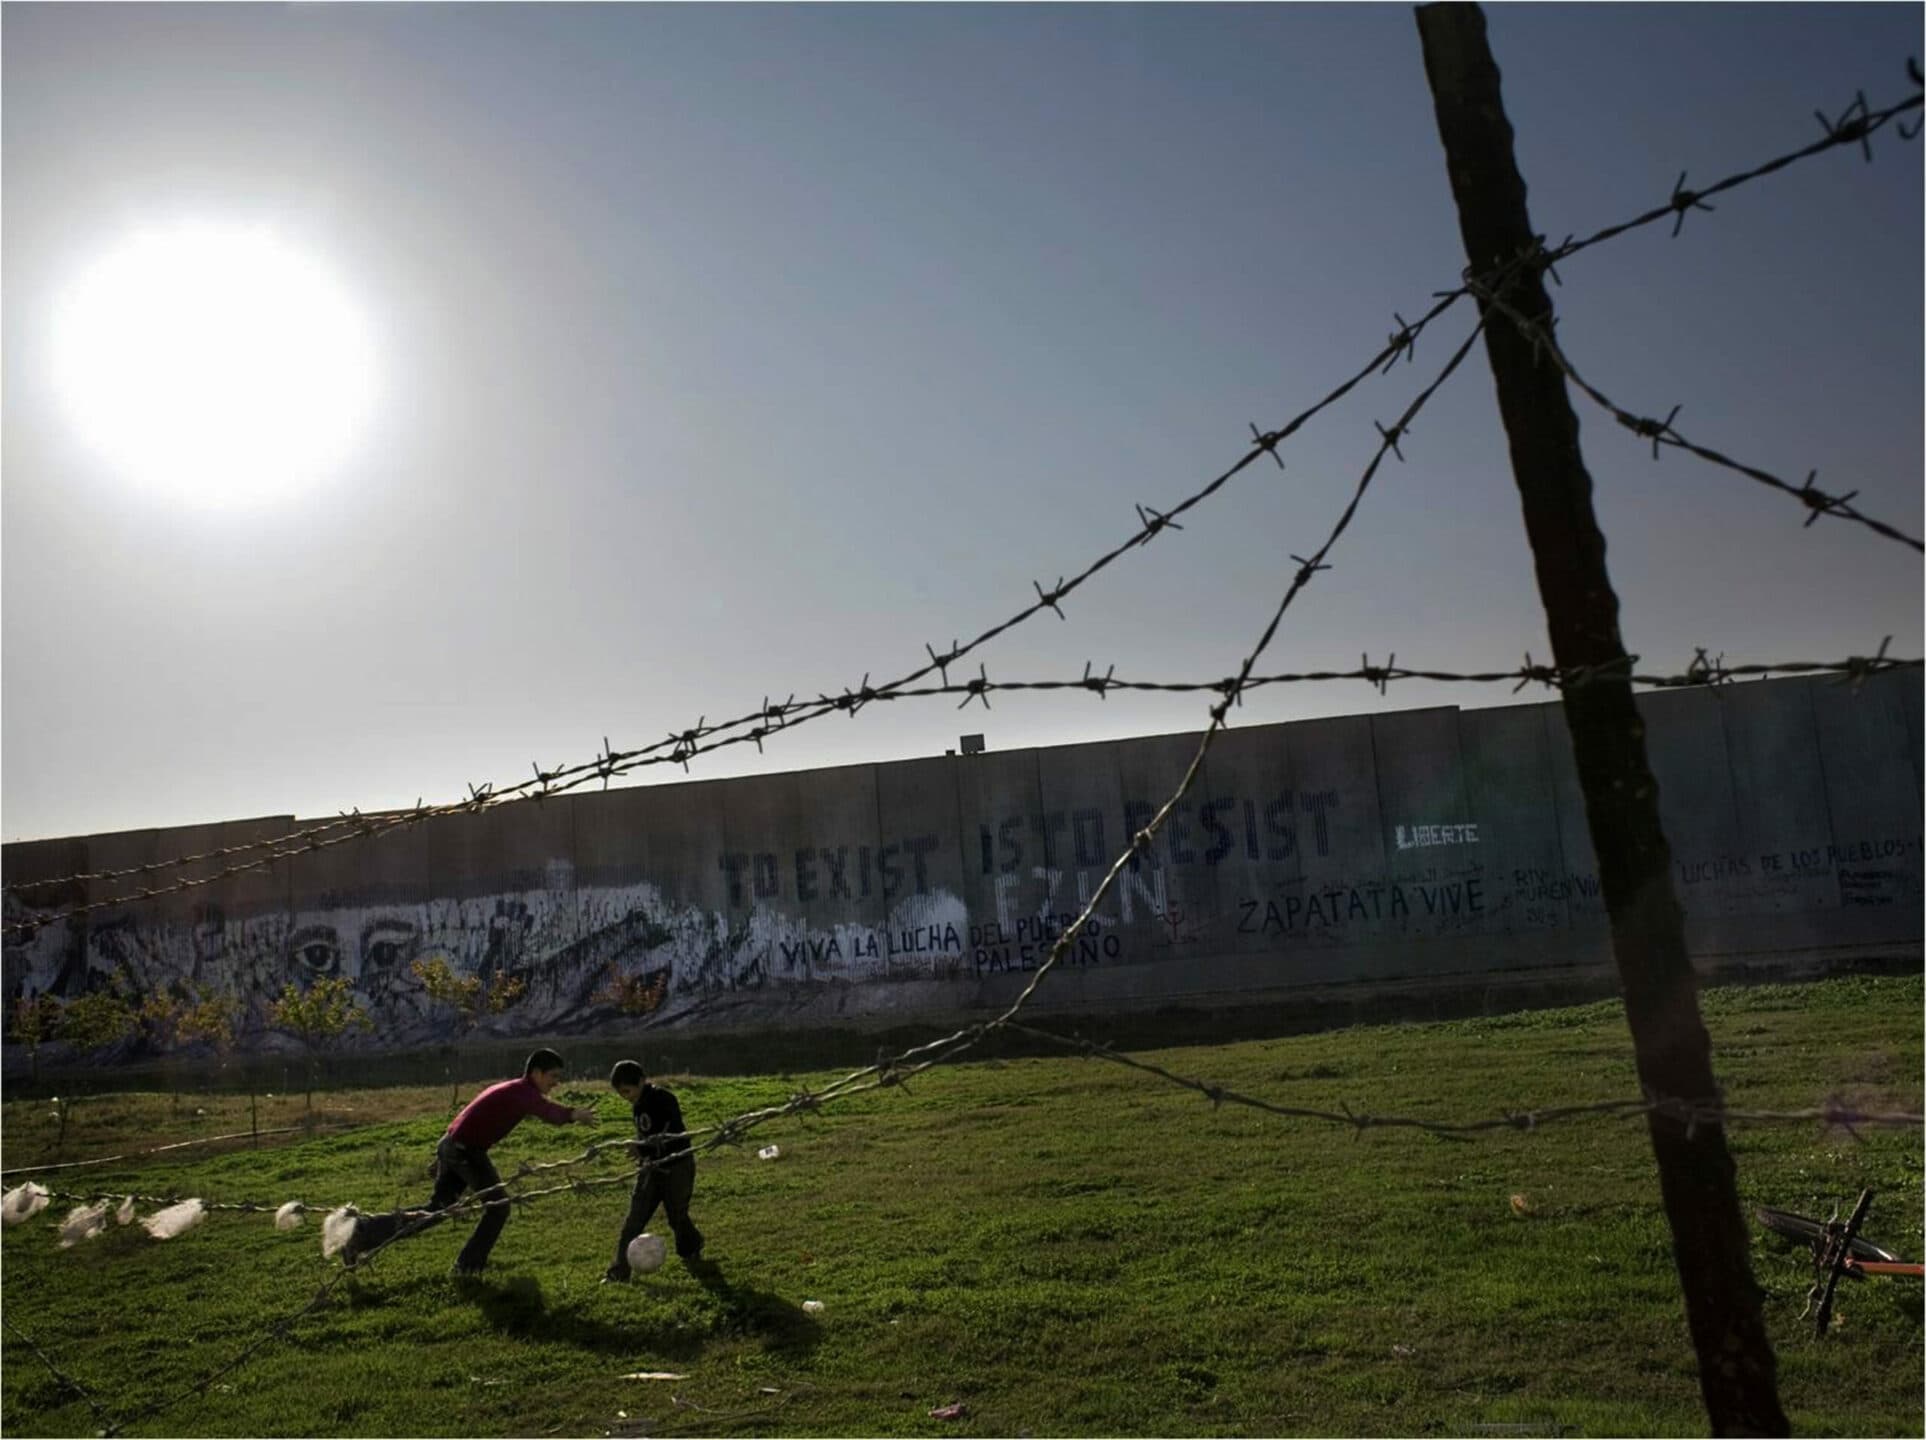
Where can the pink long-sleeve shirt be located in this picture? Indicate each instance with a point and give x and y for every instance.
(499, 1109)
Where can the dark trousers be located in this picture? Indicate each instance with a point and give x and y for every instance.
(460, 1168)
(669, 1186)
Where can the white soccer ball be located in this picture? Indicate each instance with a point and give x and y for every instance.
(646, 1253)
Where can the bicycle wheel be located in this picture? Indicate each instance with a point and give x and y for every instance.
(1813, 1232)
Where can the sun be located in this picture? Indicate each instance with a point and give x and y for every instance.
(216, 365)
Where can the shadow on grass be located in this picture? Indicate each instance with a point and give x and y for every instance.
(519, 1308)
(783, 1326)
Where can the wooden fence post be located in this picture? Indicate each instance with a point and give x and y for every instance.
(1737, 1370)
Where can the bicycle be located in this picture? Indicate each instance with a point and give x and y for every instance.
(1837, 1249)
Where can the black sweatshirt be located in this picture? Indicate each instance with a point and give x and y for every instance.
(657, 1114)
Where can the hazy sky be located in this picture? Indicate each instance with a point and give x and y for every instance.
(743, 350)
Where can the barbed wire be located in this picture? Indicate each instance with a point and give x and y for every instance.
(892, 1071)
(156, 1150)
(895, 1071)
(1834, 1114)
(238, 1207)
(101, 1412)
(1705, 669)
(1856, 125)
(1665, 432)
(885, 1073)
(729, 1132)
(702, 738)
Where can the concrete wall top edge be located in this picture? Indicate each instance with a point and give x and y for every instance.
(135, 831)
(21, 850)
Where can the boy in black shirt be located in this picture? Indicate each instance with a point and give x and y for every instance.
(670, 1181)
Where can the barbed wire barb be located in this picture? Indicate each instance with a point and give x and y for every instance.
(1402, 343)
(978, 689)
(1379, 675)
(1851, 126)
(1684, 200)
(1859, 667)
(1665, 432)
(1048, 598)
(1645, 427)
(1154, 521)
(942, 662)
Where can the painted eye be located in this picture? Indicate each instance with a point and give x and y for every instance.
(387, 944)
(316, 949)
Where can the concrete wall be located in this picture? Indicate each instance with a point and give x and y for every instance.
(1399, 847)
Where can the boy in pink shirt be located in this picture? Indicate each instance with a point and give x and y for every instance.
(462, 1163)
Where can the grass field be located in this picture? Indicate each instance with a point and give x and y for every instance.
(1062, 1246)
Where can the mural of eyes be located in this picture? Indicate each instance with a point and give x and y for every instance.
(315, 949)
(388, 945)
